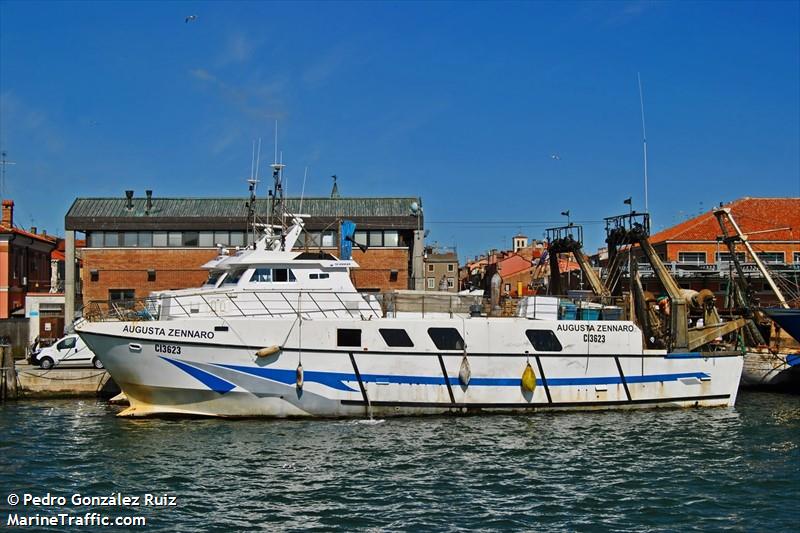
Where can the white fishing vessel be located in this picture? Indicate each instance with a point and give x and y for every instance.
(285, 333)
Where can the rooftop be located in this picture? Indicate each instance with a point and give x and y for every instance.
(230, 213)
(768, 219)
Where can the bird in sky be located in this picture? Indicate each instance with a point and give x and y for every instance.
(555, 157)
(190, 18)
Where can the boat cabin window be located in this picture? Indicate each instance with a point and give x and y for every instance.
(348, 337)
(233, 277)
(213, 278)
(543, 340)
(316, 275)
(282, 274)
(446, 338)
(268, 275)
(261, 275)
(396, 337)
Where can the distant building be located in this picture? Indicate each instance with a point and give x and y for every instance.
(24, 263)
(139, 245)
(441, 269)
(698, 259)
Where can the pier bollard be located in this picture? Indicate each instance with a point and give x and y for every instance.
(8, 374)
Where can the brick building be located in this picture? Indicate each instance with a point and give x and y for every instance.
(138, 245)
(24, 263)
(698, 259)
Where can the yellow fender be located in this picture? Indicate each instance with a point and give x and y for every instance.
(528, 378)
(268, 350)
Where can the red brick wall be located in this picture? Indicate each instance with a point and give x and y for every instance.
(179, 268)
(376, 265)
(176, 268)
(711, 249)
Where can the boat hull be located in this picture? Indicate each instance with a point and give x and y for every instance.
(771, 371)
(788, 319)
(223, 376)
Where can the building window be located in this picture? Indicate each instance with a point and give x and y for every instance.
(451, 267)
(111, 239)
(694, 258)
(205, 239)
(451, 283)
(391, 238)
(191, 238)
(774, 258)
(726, 257)
(348, 337)
(145, 239)
(376, 238)
(95, 239)
(122, 297)
(508, 287)
(797, 257)
(446, 338)
(543, 340)
(430, 267)
(396, 338)
(221, 237)
(159, 239)
(431, 283)
(174, 239)
(360, 237)
(237, 238)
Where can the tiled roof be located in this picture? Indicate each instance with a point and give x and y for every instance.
(50, 239)
(512, 265)
(781, 215)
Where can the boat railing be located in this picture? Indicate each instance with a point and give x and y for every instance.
(228, 304)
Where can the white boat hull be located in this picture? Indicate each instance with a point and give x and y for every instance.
(196, 368)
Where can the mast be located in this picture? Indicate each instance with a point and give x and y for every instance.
(725, 212)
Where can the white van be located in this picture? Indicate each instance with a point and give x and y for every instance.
(68, 351)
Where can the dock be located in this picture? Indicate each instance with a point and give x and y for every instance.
(33, 382)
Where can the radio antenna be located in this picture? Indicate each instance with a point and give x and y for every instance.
(644, 140)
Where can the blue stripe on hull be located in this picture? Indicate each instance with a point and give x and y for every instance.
(339, 380)
(209, 380)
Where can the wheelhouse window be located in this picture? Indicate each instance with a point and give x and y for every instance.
(261, 275)
(396, 338)
(348, 337)
(446, 338)
(233, 277)
(319, 275)
(543, 340)
(213, 278)
(282, 275)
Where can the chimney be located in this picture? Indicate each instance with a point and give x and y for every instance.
(149, 201)
(33, 229)
(129, 203)
(8, 213)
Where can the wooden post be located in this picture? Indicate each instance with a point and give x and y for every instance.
(8, 374)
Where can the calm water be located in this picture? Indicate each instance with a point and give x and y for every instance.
(671, 470)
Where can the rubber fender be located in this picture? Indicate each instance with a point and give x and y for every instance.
(299, 377)
(528, 378)
(465, 372)
(268, 350)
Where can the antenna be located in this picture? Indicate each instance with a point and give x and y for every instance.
(275, 159)
(4, 162)
(303, 190)
(644, 141)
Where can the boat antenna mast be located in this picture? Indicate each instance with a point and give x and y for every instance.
(276, 194)
(644, 140)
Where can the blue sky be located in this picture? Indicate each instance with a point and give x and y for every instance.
(461, 103)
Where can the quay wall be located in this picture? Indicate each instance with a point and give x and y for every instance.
(34, 382)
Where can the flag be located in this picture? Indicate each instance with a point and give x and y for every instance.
(628, 200)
